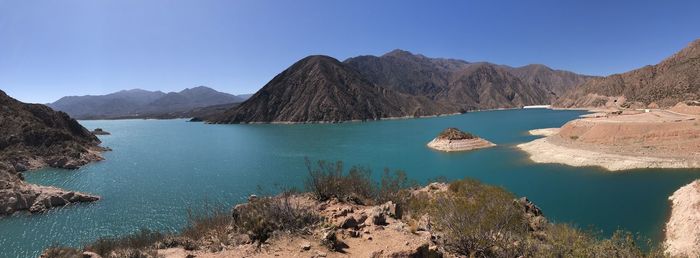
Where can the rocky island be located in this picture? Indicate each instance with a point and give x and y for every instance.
(452, 139)
(99, 131)
(32, 137)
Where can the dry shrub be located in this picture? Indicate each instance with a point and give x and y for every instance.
(328, 180)
(260, 218)
(212, 221)
(133, 244)
(478, 220)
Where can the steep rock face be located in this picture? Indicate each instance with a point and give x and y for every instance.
(320, 88)
(675, 79)
(34, 136)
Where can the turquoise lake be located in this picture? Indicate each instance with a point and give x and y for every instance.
(159, 169)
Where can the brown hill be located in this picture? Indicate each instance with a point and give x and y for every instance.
(397, 84)
(320, 88)
(468, 86)
(675, 79)
(34, 136)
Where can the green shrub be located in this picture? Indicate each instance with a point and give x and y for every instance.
(478, 220)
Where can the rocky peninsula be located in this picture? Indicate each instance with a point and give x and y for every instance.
(624, 140)
(683, 228)
(452, 139)
(32, 136)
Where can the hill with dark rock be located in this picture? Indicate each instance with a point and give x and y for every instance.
(675, 79)
(396, 84)
(321, 88)
(33, 136)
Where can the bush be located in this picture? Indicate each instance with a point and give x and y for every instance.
(567, 241)
(213, 221)
(135, 242)
(327, 180)
(260, 218)
(477, 219)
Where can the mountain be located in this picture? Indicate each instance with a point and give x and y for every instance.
(469, 86)
(555, 82)
(33, 136)
(675, 79)
(321, 88)
(245, 97)
(396, 84)
(141, 103)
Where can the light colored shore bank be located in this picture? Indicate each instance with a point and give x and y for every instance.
(544, 151)
(683, 228)
(544, 131)
(459, 145)
(621, 140)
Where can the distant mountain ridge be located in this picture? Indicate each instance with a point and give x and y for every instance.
(321, 88)
(673, 80)
(141, 103)
(396, 84)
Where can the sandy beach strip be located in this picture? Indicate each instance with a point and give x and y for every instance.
(544, 151)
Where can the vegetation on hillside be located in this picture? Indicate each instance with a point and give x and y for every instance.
(470, 219)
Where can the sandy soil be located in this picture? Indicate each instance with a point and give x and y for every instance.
(656, 139)
(544, 131)
(683, 228)
(459, 145)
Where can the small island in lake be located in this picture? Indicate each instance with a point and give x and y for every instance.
(452, 139)
(99, 131)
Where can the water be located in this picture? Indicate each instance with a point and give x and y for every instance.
(160, 169)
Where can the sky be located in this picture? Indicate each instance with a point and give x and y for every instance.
(50, 49)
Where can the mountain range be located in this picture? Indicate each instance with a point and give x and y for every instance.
(139, 103)
(675, 79)
(396, 84)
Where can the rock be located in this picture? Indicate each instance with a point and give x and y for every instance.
(529, 207)
(423, 250)
(88, 254)
(424, 223)
(348, 222)
(306, 246)
(354, 233)
(252, 198)
(380, 213)
(320, 254)
(99, 131)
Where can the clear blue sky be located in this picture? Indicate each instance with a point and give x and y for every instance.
(50, 49)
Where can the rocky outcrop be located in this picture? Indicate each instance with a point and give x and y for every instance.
(16, 195)
(675, 79)
(33, 136)
(683, 227)
(452, 139)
